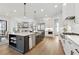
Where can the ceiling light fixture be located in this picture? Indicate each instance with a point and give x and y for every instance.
(46, 15)
(42, 10)
(14, 10)
(34, 11)
(24, 9)
(56, 6)
(64, 4)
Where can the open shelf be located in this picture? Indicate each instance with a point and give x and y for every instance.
(12, 40)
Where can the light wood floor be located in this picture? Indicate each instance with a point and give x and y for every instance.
(49, 46)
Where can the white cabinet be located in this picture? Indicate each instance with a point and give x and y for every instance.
(31, 41)
(77, 12)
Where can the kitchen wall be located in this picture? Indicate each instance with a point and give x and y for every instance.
(76, 25)
(48, 22)
(67, 10)
(70, 9)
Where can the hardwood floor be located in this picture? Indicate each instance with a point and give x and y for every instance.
(49, 46)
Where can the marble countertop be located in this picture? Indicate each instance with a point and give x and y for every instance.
(26, 33)
(74, 38)
(23, 34)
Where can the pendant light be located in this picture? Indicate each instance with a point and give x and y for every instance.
(24, 9)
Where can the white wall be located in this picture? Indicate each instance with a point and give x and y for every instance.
(76, 25)
(48, 22)
(67, 10)
(59, 17)
(71, 9)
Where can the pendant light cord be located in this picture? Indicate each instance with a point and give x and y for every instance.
(24, 9)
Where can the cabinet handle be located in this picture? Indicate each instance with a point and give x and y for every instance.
(72, 52)
(20, 39)
(77, 50)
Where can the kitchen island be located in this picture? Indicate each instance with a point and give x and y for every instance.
(23, 42)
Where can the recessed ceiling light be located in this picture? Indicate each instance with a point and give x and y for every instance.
(35, 11)
(42, 10)
(24, 16)
(14, 10)
(56, 6)
(64, 4)
(46, 15)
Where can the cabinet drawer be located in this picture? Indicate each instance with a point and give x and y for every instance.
(26, 43)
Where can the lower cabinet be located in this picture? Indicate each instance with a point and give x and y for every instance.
(40, 37)
(37, 39)
(26, 43)
(31, 41)
(22, 43)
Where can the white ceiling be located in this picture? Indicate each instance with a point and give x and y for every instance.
(17, 9)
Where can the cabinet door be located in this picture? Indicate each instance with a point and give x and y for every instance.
(42, 35)
(30, 41)
(33, 40)
(26, 43)
(37, 39)
(20, 43)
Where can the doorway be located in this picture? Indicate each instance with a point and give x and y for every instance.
(3, 31)
(56, 27)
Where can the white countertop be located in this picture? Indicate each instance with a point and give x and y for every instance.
(74, 38)
(23, 33)
(26, 33)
